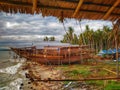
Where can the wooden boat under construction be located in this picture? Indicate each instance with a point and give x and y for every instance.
(55, 54)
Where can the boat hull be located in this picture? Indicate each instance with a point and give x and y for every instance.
(65, 55)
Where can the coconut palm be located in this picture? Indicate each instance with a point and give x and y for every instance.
(46, 39)
(69, 36)
(75, 39)
(52, 38)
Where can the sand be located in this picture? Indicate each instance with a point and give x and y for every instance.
(38, 72)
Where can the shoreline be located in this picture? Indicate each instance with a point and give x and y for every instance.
(38, 76)
(38, 72)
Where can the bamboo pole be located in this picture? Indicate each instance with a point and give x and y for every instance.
(34, 6)
(78, 7)
(116, 31)
(111, 9)
(83, 79)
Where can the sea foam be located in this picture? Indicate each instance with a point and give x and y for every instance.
(11, 69)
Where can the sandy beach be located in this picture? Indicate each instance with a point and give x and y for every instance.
(38, 72)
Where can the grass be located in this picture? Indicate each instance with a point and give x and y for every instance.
(112, 86)
(92, 71)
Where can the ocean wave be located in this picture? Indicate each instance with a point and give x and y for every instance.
(14, 85)
(11, 69)
(21, 60)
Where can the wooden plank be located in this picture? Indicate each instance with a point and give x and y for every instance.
(111, 9)
(34, 6)
(78, 8)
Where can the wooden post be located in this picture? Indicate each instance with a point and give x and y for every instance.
(69, 55)
(117, 61)
(34, 6)
(116, 36)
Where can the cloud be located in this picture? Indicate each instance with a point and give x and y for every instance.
(32, 27)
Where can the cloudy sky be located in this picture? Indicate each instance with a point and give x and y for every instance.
(35, 27)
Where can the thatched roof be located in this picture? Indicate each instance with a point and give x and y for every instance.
(79, 9)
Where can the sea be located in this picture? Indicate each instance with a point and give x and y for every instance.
(10, 75)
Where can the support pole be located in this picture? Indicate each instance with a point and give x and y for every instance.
(116, 31)
(34, 6)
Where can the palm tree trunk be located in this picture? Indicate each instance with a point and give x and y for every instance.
(82, 33)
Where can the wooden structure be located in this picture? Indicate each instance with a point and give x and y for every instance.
(55, 54)
(79, 9)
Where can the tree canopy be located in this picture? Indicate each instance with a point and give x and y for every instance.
(97, 39)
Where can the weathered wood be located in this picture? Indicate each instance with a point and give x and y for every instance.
(85, 10)
(30, 5)
(65, 54)
(84, 79)
(34, 6)
(111, 9)
(78, 7)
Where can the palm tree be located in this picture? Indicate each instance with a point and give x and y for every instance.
(68, 37)
(80, 39)
(75, 39)
(52, 38)
(70, 34)
(65, 39)
(106, 34)
(46, 39)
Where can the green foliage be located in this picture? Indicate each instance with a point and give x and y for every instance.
(96, 83)
(52, 38)
(70, 37)
(75, 72)
(99, 39)
(46, 39)
(112, 86)
(49, 39)
(66, 82)
(83, 72)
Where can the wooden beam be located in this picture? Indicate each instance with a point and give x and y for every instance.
(78, 8)
(16, 3)
(34, 6)
(111, 9)
(81, 79)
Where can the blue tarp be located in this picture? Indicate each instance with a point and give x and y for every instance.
(109, 51)
(116, 51)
